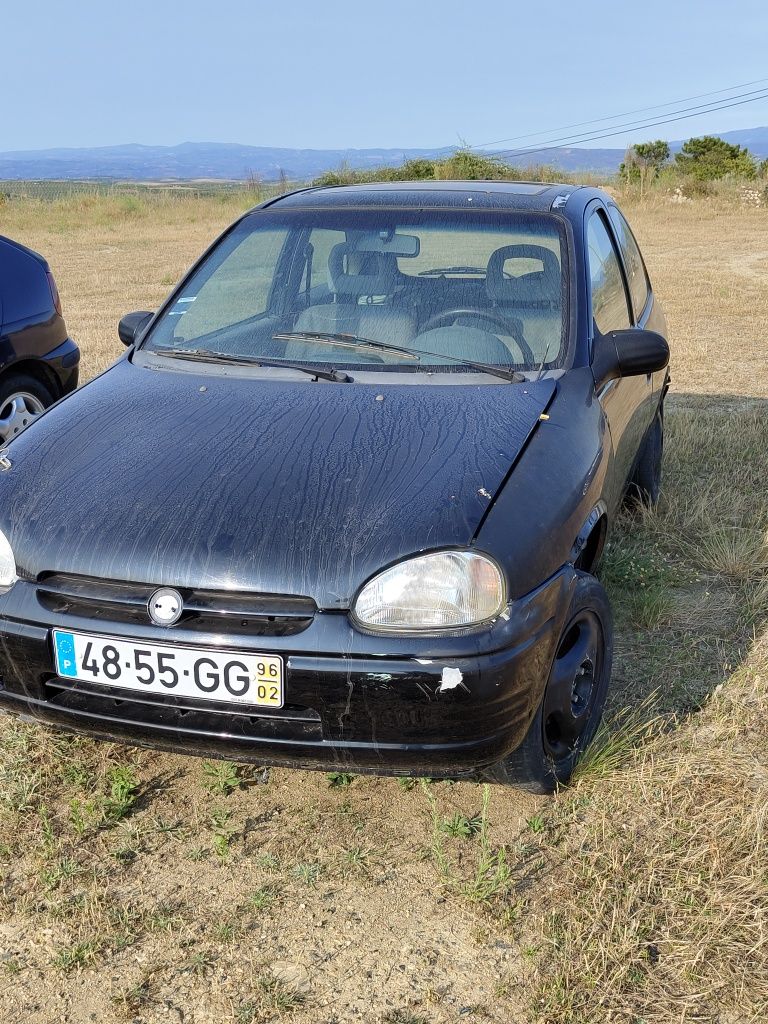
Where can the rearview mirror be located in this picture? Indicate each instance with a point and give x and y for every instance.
(628, 353)
(132, 325)
(391, 242)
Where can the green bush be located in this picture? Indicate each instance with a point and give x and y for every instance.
(418, 170)
(709, 158)
(466, 165)
(462, 165)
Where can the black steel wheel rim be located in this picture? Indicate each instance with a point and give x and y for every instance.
(573, 686)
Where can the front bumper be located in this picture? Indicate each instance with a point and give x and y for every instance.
(386, 706)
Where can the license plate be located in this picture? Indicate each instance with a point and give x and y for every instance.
(158, 668)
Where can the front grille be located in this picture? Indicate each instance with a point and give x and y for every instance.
(205, 611)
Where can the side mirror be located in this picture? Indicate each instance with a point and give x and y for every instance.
(132, 325)
(628, 353)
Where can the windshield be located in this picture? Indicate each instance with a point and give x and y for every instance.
(436, 286)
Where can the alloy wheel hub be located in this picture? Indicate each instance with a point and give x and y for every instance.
(17, 413)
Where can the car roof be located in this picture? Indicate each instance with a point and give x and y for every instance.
(508, 195)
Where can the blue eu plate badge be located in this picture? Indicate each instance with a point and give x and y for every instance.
(66, 662)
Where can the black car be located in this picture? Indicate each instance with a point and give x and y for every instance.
(38, 360)
(342, 501)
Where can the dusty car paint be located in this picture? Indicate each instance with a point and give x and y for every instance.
(297, 488)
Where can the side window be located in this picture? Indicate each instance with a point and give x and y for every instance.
(633, 261)
(610, 307)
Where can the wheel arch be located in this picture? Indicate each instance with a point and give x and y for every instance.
(590, 540)
(36, 369)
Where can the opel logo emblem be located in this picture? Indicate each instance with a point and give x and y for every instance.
(165, 606)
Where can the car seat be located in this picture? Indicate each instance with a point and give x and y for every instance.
(363, 285)
(535, 297)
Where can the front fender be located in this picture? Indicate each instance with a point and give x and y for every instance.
(534, 525)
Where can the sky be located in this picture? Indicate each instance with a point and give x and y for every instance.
(340, 74)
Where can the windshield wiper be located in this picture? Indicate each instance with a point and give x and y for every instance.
(343, 341)
(452, 270)
(204, 355)
(352, 341)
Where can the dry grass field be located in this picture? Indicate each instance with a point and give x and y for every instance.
(143, 887)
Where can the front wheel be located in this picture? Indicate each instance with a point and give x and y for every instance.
(574, 697)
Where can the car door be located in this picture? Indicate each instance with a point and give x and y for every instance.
(626, 401)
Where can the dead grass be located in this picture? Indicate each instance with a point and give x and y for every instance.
(114, 254)
(138, 886)
(658, 904)
(659, 901)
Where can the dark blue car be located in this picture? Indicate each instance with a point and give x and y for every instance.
(343, 500)
(38, 360)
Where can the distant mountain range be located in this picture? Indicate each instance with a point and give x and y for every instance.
(231, 161)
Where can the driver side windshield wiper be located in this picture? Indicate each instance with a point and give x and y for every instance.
(204, 355)
(352, 341)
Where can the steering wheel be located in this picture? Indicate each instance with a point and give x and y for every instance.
(510, 326)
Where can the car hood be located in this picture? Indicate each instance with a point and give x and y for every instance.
(195, 479)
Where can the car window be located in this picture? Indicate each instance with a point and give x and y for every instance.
(486, 286)
(237, 291)
(610, 306)
(633, 262)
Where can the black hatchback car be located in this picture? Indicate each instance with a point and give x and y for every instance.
(342, 501)
(38, 360)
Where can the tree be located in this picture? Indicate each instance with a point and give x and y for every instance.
(643, 161)
(652, 154)
(708, 158)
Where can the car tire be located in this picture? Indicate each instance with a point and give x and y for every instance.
(645, 485)
(572, 706)
(22, 398)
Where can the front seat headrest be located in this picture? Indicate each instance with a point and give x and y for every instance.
(355, 273)
(529, 288)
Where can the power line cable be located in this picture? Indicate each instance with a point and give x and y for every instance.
(697, 110)
(627, 113)
(622, 129)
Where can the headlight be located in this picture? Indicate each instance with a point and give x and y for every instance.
(442, 590)
(7, 562)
